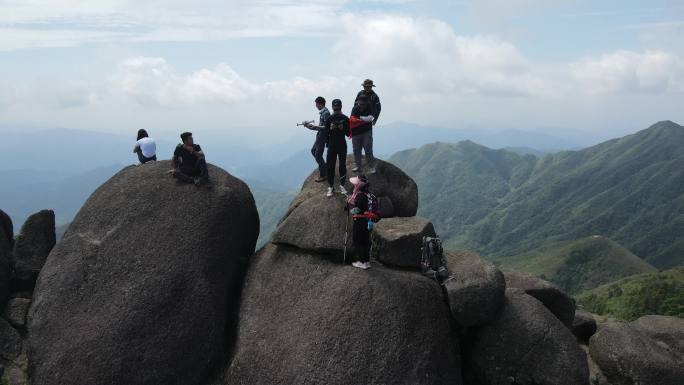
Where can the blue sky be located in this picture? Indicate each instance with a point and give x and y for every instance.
(114, 65)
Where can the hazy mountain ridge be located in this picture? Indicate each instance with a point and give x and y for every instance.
(627, 189)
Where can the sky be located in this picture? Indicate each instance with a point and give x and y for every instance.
(253, 68)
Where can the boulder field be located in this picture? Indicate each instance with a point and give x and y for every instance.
(158, 282)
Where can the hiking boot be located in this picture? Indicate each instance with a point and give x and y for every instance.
(372, 170)
(321, 179)
(358, 264)
(330, 192)
(197, 181)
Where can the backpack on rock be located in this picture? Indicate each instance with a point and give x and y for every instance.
(432, 262)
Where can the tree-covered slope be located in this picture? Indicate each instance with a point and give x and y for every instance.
(459, 184)
(630, 190)
(630, 298)
(579, 265)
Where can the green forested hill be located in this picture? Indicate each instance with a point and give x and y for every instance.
(579, 265)
(632, 297)
(630, 190)
(460, 184)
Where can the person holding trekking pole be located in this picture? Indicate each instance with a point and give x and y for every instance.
(337, 127)
(321, 138)
(358, 205)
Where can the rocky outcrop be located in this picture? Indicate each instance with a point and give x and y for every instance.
(475, 288)
(527, 345)
(307, 319)
(315, 222)
(644, 353)
(557, 301)
(398, 241)
(6, 244)
(584, 325)
(32, 246)
(142, 287)
(15, 312)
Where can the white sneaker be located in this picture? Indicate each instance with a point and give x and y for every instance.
(365, 265)
(358, 264)
(330, 192)
(355, 169)
(372, 170)
(343, 190)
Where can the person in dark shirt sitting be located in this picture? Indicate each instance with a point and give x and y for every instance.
(189, 163)
(337, 128)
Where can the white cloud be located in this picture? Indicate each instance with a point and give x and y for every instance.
(59, 23)
(628, 71)
(427, 56)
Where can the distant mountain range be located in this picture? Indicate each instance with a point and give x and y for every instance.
(501, 204)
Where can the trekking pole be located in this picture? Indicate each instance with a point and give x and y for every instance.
(346, 236)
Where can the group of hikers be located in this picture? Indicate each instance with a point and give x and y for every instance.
(332, 132)
(333, 129)
(189, 164)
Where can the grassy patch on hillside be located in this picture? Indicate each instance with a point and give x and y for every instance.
(630, 298)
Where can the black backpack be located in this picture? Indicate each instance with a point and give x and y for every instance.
(432, 260)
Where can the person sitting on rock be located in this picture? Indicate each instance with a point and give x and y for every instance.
(337, 128)
(361, 123)
(321, 137)
(358, 206)
(189, 164)
(145, 147)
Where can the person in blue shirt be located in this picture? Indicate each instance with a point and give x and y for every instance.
(321, 138)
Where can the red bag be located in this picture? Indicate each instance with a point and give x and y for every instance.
(354, 122)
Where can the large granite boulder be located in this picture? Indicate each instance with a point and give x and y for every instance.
(557, 301)
(32, 246)
(664, 329)
(316, 222)
(143, 286)
(584, 325)
(638, 353)
(526, 345)
(306, 319)
(475, 288)
(398, 241)
(6, 245)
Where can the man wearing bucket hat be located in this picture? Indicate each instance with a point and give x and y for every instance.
(358, 206)
(373, 99)
(364, 115)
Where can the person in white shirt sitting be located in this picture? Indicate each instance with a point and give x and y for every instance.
(146, 148)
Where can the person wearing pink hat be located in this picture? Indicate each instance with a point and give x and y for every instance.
(358, 204)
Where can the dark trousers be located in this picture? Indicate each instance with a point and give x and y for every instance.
(362, 243)
(144, 159)
(188, 174)
(337, 153)
(317, 152)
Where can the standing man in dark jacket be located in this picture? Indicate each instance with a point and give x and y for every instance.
(361, 124)
(338, 129)
(321, 138)
(373, 98)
